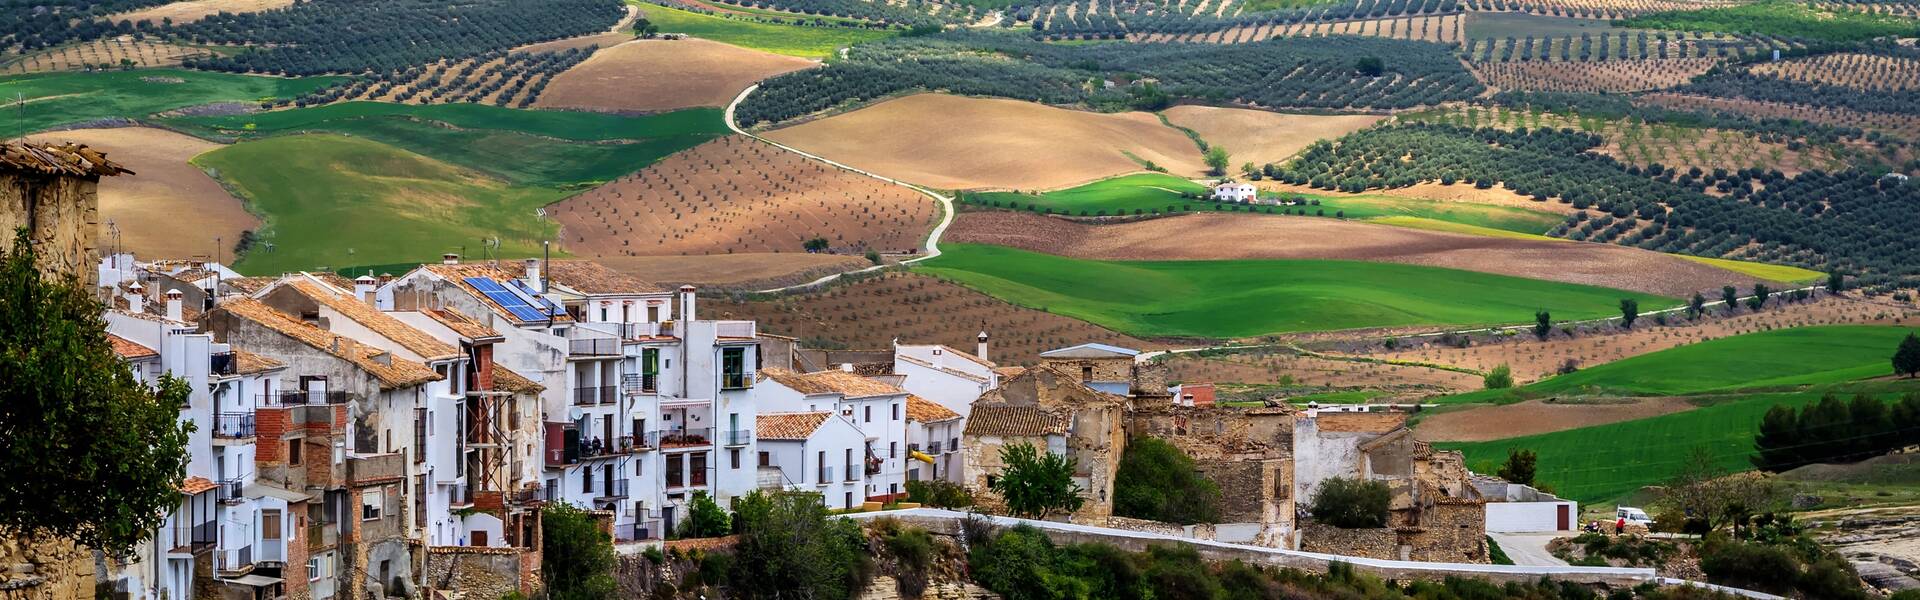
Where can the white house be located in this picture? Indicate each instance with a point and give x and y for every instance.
(945, 375)
(877, 408)
(933, 441)
(818, 451)
(1235, 192)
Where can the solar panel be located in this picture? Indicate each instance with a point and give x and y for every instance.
(513, 303)
(536, 298)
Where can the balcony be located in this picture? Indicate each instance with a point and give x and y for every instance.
(597, 448)
(635, 385)
(738, 437)
(527, 496)
(271, 551)
(223, 364)
(641, 442)
(701, 436)
(233, 425)
(736, 380)
(376, 468)
(826, 476)
(234, 559)
(592, 394)
(612, 490)
(322, 535)
(933, 449)
(550, 492)
(647, 529)
(227, 491)
(303, 397)
(734, 329)
(594, 347)
(852, 473)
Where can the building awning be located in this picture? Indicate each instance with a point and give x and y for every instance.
(255, 580)
(273, 491)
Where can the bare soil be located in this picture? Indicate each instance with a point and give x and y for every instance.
(194, 10)
(734, 271)
(871, 313)
(110, 51)
(1484, 423)
(1261, 137)
(954, 142)
(168, 208)
(656, 75)
(1243, 236)
(737, 195)
(1498, 195)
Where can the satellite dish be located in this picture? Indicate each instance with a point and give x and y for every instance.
(575, 414)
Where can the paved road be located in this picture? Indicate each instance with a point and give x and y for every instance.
(1530, 549)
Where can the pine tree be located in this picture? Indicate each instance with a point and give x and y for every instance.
(1906, 359)
(1775, 446)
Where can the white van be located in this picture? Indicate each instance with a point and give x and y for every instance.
(1633, 516)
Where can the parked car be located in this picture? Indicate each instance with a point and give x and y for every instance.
(1634, 516)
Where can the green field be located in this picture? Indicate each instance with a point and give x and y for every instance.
(1780, 18)
(1119, 195)
(1782, 357)
(1240, 298)
(791, 40)
(527, 147)
(1761, 270)
(54, 99)
(1503, 218)
(1605, 462)
(333, 200)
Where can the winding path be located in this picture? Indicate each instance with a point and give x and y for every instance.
(933, 237)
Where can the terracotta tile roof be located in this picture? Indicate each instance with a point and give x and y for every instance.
(192, 275)
(247, 285)
(1009, 420)
(414, 340)
(927, 411)
(587, 277)
(196, 484)
(788, 426)
(129, 349)
(506, 380)
(57, 159)
(461, 324)
(828, 382)
(344, 284)
(248, 363)
(391, 371)
(1006, 372)
(457, 276)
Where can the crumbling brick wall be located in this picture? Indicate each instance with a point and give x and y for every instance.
(1449, 531)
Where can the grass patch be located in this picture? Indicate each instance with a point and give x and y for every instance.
(1780, 18)
(1604, 462)
(55, 99)
(1241, 298)
(1783, 357)
(1760, 270)
(791, 40)
(1346, 397)
(1438, 215)
(1119, 195)
(332, 200)
(526, 147)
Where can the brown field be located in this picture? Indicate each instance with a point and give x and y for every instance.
(655, 75)
(168, 208)
(871, 313)
(1612, 76)
(1240, 236)
(1498, 195)
(620, 32)
(1482, 423)
(1857, 71)
(89, 55)
(1399, 382)
(194, 10)
(736, 195)
(1260, 137)
(734, 271)
(1532, 360)
(954, 142)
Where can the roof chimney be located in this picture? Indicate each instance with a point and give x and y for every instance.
(136, 300)
(981, 350)
(533, 276)
(173, 304)
(449, 259)
(363, 287)
(686, 303)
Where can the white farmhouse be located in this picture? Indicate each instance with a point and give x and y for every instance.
(1235, 192)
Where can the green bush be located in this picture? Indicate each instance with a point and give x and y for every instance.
(1158, 482)
(576, 556)
(1351, 503)
(939, 494)
(705, 518)
(790, 547)
(1500, 378)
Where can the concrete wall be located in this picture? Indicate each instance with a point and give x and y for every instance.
(1515, 517)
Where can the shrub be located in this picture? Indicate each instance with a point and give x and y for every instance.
(1500, 378)
(705, 518)
(939, 494)
(1158, 482)
(790, 547)
(1351, 503)
(576, 556)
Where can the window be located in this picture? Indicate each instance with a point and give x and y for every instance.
(649, 369)
(893, 449)
(1086, 374)
(848, 502)
(766, 459)
(371, 501)
(586, 480)
(293, 452)
(733, 368)
(270, 528)
(733, 457)
(603, 314)
(313, 569)
(869, 414)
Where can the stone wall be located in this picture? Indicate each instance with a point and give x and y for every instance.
(472, 573)
(1452, 531)
(1370, 543)
(45, 569)
(63, 217)
(887, 588)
